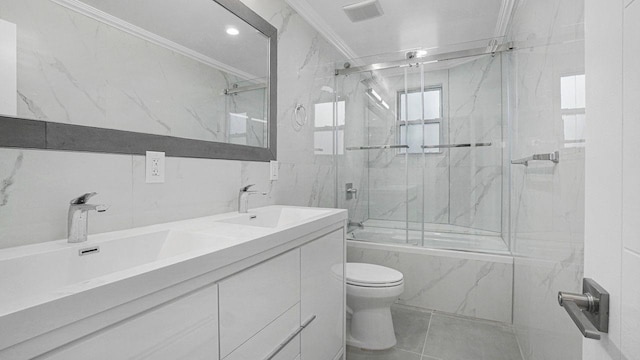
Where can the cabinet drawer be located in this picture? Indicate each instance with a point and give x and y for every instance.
(186, 328)
(252, 299)
(268, 339)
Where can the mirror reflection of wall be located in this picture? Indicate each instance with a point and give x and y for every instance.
(136, 66)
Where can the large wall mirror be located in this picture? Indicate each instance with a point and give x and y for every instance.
(192, 78)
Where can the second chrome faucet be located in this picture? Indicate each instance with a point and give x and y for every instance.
(243, 198)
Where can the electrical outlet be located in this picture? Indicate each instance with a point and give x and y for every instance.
(273, 170)
(155, 167)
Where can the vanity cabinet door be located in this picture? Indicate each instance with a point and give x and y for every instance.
(322, 263)
(254, 298)
(185, 328)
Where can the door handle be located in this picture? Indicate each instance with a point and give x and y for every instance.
(590, 310)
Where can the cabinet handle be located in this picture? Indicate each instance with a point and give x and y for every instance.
(289, 338)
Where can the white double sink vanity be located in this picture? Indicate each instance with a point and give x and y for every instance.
(267, 285)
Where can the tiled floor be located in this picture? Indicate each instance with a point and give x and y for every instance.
(436, 336)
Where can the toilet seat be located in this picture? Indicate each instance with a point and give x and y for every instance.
(373, 276)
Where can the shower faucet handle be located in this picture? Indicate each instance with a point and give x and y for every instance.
(352, 193)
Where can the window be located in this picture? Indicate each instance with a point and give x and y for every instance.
(572, 99)
(417, 126)
(246, 130)
(323, 128)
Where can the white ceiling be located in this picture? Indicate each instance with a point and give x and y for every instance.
(407, 24)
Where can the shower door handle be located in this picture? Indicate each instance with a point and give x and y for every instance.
(590, 310)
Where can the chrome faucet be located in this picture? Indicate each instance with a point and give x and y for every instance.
(243, 198)
(78, 221)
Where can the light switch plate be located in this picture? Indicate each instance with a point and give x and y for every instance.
(273, 170)
(155, 167)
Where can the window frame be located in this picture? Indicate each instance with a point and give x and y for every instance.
(400, 123)
(571, 111)
(335, 129)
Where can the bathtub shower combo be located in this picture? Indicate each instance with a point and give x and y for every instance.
(421, 152)
(422, 162)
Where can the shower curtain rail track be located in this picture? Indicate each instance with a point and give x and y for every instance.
(487, 50)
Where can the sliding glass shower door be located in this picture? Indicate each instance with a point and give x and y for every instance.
(423, 152)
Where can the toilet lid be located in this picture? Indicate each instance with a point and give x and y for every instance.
(371, 275)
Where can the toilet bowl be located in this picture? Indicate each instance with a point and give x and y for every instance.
(371, 290)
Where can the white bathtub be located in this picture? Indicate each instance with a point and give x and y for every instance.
(465, 283)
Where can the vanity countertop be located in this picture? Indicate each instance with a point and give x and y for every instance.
(41, 283)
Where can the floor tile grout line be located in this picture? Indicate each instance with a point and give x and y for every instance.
(424, 345)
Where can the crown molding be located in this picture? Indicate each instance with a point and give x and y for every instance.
(305, 10)
(117, 23)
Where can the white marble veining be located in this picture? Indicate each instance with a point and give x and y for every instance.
(38, 185)
(460, 283)
(547, 200)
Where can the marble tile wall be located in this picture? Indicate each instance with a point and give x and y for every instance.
(476, 116)
(36, 185)
(547, 200)
(472, 285)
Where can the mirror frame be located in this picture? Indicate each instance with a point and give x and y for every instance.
(47, 135)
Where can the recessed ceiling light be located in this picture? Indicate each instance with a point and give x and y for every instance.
(421, 53)
(232, 31)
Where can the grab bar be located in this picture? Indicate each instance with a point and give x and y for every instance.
(448, 146)
(289, 338)
(375, 147)
(554, 157)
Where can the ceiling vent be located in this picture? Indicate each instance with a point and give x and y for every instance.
(363, 10)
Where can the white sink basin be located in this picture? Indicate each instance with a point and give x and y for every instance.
(273, 217)
(53, 269)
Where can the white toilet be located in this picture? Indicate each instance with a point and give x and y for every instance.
(371, 289)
